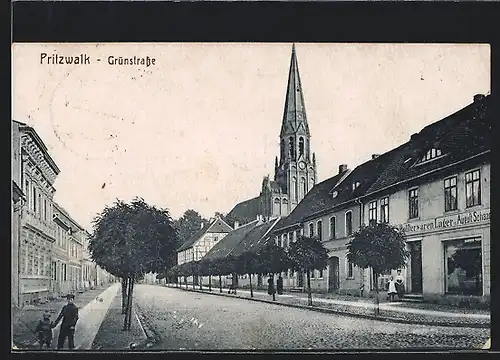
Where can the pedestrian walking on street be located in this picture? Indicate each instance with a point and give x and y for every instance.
(391, 289)
(69, 316)
(279, 285)
(400, 285)
(270, 288)
(44, 331)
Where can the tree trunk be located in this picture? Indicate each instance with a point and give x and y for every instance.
(251, 289)
(193, 283)
(127, 307)
(124, 294)
(131, 295)
(201, 282)
(309, 295)
(220, 283)
(209, 282)
(274, 292)
(375, 286)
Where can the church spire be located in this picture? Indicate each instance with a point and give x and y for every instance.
(294, 113)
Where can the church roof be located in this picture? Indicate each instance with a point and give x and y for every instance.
(216, 225)
(225, 246)
(245, 211)
(294, 113)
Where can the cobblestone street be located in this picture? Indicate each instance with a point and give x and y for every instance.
(185, 320)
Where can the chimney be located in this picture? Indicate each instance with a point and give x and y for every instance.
(374, 156)
(236, 224)
(478, 97)
(342, 168)
(201, 225)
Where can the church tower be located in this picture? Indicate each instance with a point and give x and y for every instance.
(295, 170)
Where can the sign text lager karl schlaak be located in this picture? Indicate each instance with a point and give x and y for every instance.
(445, 222)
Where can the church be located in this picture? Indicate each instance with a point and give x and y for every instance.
(294, 169)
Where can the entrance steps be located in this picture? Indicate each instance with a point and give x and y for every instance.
(413, 298)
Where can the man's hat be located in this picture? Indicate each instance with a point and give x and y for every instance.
(70, 296)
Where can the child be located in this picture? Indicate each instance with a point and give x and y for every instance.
(391, 289)
(44, 331)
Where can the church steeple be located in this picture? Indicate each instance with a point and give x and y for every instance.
(295, 173)
(294, 114)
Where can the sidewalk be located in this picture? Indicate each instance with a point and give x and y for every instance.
(363, 307)
(91, 312)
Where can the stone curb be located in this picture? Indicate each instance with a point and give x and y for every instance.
(345, 313)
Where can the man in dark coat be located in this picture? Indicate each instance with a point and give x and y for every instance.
(69, 316)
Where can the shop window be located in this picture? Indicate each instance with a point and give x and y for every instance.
(450, 194)
(384, 210)
(473, 188)
(464, 274)
(372, 212)
(413, 203)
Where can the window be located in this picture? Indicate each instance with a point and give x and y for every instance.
(348, 223)
(384, 210)
(301, 146)
(283, 240)
(332, 227)
(27, 190)
(34, 199)
(320, 276)
(313, 274)
(431, 154)
(349, 269)
(320, 230)
(216, 239)
(311, 230)
(289, 239)
(450, 194)
(372, 212)
(473, 188)
(45, 209)
(413, 203)
(292, 147)
(464, 267)
(304, 187)
(294, 188)
(355, 185)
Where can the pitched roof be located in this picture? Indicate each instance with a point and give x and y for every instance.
(459, 136)
(245, 211)
(316, 199)
(225, 246)
(256, 238)
(217, 225)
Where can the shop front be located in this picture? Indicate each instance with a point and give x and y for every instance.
(449, 255)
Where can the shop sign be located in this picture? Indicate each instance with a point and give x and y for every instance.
(447, 222)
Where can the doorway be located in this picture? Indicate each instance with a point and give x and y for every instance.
(333, 274)
(300, 279)
(415, 267)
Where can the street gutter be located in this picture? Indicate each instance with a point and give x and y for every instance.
(344, 313)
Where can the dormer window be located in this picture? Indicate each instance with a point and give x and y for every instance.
(431, 154)
(355, 185)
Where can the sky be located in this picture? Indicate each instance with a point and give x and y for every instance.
(200, 128)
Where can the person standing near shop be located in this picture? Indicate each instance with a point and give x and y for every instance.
(400, 285)
(69, 317)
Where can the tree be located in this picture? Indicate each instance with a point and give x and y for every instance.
(247, 264)
(272, 259)
(188, 224)
(381, 247)
(130, 240)
(306, 255)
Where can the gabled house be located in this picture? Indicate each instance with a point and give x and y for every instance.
(437, 190)
(196, 247)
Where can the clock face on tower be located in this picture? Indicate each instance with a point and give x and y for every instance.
(302, 165)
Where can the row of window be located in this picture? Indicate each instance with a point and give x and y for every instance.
(472, 193)
(291, 147)
(37, 202)
(384, 210)
(318, 229)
